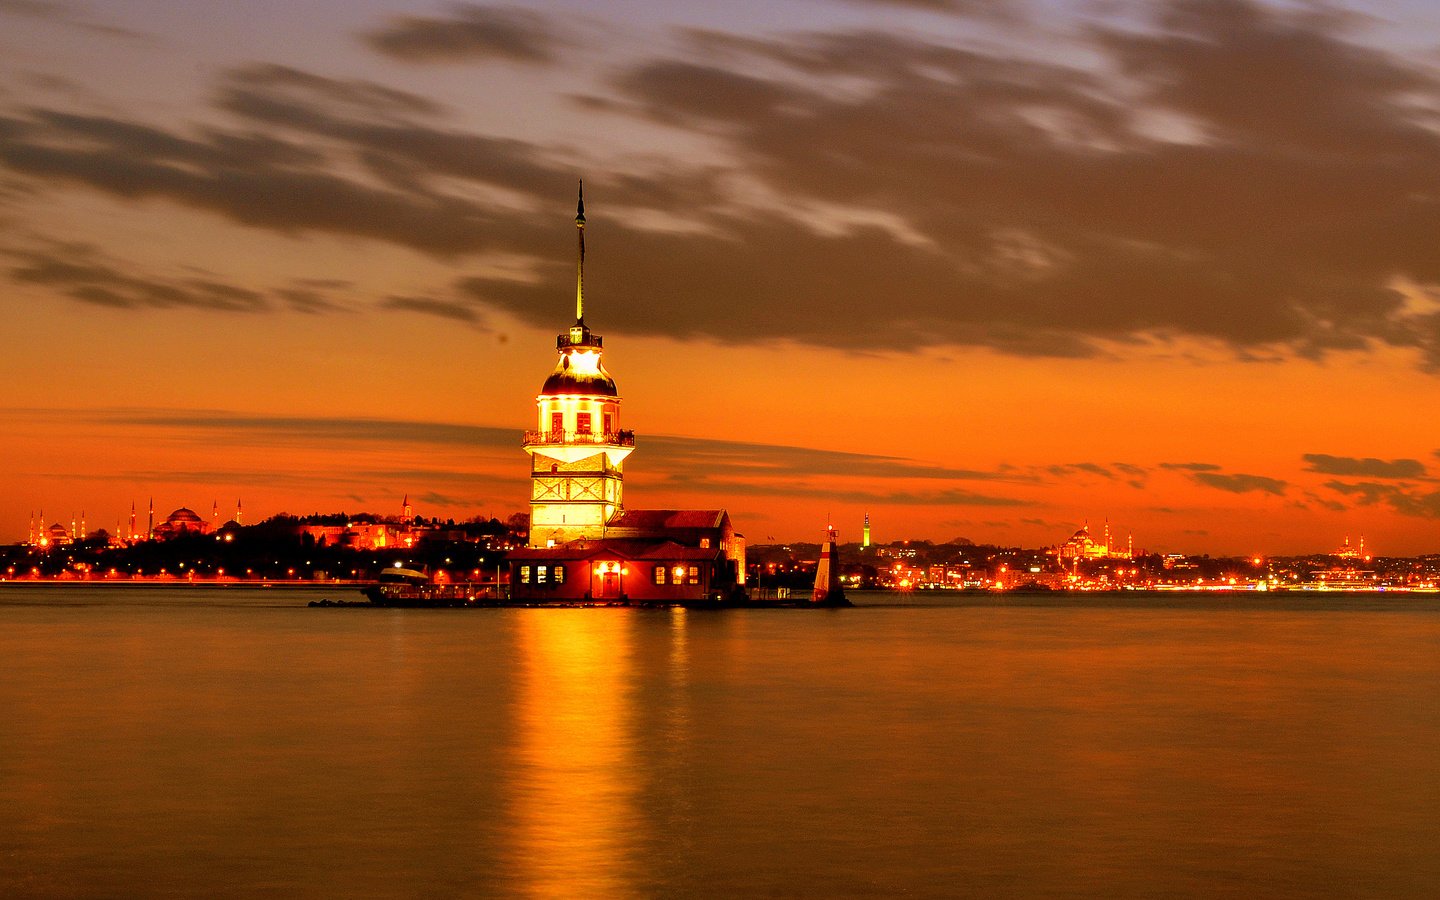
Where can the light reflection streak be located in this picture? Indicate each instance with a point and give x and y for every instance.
(573, 793)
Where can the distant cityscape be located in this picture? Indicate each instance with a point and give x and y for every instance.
(338, 548)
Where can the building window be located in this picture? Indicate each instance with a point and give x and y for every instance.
(694, 575)
(557, 422)
(609, 424)
(540, 574)
(524, 574)
(559, 573)
(704, 543)
(582, 423)
(659, 574)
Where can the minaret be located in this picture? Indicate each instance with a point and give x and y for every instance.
(150, 530)
(866, 541)
(578, 450)
(72, 528)
(132, 520)
(406, 512)
(31, 540)
(214, 515)
(239, 510)
(84, 528)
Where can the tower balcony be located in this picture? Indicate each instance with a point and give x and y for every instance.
(621, 438)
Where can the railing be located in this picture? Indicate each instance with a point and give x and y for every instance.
(623, 438)
(590, 340)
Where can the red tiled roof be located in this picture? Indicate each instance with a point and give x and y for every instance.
(660, 519)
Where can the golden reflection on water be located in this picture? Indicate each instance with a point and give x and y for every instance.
(572, 800)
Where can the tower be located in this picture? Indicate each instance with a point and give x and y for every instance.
(150, 530)
(239, 510)
(406, 511)
(865, 542)
(132, 520)
(578, 450)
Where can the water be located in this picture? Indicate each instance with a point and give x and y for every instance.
(233, 743)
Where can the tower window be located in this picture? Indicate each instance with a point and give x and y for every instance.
(609, 424)
(557, 422)
(582, 423)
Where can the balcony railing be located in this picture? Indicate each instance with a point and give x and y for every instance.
(622, 438)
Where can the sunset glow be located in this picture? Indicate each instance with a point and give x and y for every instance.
(982, 270)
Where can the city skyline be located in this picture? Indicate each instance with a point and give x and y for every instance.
(318, 266)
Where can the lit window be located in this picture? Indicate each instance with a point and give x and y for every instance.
(540, 574)
(559, 573)
(582, 423)
(557, 422)
(524, 574)
(609, 424)
(694, 575)
(659, 574)
(704, 543)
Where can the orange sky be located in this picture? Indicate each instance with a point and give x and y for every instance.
(943, 267)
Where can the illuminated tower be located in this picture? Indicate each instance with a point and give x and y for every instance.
(577, 453)
(406, 512)
(132, 520)
(150, 530)
(865, 542)
(31, 540)
(239, 511)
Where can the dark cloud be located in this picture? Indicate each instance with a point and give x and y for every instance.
(1252, 176)
(471, 33)
(1368, 467)
(1056, 202)
(1405, 500)
(1006, 10)
(445, 309)
(63, 14)
(1190, 466)
(86, 274)
(735, 467)
(1240, 484)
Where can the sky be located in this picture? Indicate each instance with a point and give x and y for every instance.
(984, 269)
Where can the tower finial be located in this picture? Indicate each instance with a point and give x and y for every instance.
(580, 264)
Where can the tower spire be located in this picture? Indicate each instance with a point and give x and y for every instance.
(580, 263)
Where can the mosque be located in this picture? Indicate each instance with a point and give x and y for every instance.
(584, 545)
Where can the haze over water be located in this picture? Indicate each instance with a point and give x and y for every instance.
(181, 742)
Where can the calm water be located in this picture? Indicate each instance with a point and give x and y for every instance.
(178, 742)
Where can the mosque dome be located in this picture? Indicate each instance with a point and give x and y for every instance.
(184, 518)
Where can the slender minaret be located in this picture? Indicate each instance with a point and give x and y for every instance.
(238, 510)
(132, 520)
(578, 450)
(214, 515)
(150, 529)
(72, 528)
(406, 511)
(866, 542)
(84, 528)
(31, 540)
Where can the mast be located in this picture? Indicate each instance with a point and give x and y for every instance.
(580, 263)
